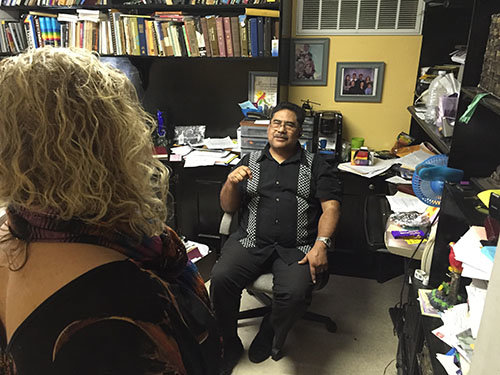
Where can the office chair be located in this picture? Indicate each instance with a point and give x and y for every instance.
(262, 288)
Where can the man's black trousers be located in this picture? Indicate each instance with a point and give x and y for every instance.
(237, 267)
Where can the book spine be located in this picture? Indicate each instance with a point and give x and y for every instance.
(143, 43)
(220, 36)
(254, 43)
(191, 37)
(202, 48)
(212, 34)
(235, 33)
(182, 43)
(204, 31)
(260, 35)
(267, 36)
(172, 32)
(154, 38)
(169, 50)
(243, 28)
(228, 36)
(160, 38)
(186, 40)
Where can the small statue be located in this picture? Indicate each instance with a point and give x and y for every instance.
(446, 295)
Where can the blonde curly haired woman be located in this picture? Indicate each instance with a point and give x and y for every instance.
(91, 280)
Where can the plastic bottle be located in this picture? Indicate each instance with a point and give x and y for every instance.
(436, 90)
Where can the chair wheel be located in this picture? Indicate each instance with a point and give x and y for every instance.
(331, 326)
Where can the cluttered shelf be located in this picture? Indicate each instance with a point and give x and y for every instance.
(491, 102)
(173, 7)
(443, 144)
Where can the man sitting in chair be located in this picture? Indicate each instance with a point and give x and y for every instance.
(289, 205)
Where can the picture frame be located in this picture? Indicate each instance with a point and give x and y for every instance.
(263, 88)
(367, 89)
(309, 62)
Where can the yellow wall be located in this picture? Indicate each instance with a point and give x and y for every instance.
(378, 123)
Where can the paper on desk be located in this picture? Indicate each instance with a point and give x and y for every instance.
(379, 166)
(476, 264)
(455, 321)
(181, 150)
(199, 158)
(398, 180)
(402, 202)
(476, 296)
(410, 161)
(218, 143)
(448, 362)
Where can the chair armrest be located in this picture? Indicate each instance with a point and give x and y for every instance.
(225, 224)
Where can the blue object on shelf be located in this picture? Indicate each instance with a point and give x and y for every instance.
(246, 110)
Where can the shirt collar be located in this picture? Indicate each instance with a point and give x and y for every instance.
(299, 155)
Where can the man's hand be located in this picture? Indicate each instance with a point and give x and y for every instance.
(239, 174)
(317, 259)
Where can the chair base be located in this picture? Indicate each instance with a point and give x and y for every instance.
(261, 311)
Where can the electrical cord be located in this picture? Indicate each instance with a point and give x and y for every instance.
(386, 367)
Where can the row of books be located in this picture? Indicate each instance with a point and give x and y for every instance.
(159, 34)
(52, 3)
(105, 2)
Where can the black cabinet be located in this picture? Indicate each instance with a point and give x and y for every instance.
(197, 208)
(359, 240)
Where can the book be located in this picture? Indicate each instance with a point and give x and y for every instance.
(141, 28)
(202, 48)
(267, 36)
(260, 35)
(180, 36)
(204, 31)
(212, 34)
(191, 36)
(186, 41)
(262, 12)
(235, 33)
(221, 40)
(169, 49)
(243, 27)
(227, 36)
(254, 43)
(160, 40)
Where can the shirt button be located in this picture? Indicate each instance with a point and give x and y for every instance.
(277, 182)
(276, 221)
(277, 199)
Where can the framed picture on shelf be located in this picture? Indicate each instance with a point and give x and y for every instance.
(309, 65)
(359, 81)
(263, 88)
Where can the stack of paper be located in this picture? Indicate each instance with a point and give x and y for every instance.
(402, 202)
(379, 166)
(477, 261)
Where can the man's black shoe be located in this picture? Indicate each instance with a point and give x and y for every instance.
(233, 350)
(262, 344)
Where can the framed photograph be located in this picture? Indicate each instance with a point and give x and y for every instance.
(309, 65)
(359, 81)
(263, 88)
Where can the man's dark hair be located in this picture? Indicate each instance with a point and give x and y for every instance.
(299, 112)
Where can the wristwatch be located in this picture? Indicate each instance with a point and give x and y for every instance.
(326, 240)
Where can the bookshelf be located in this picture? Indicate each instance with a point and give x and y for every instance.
(472, 148)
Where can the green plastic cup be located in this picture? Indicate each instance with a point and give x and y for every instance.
(357, 142)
